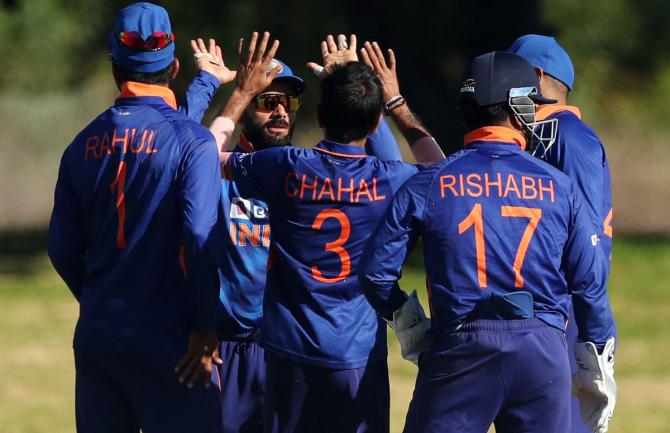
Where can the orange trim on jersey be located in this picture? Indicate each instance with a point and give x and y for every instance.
(547, 110)
(245, 144)
(131, 89)
(344, 155)
(496, 133)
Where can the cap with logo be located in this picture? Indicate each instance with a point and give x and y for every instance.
(286, 74)
(545, 53)
(142, 39)
(490, 77)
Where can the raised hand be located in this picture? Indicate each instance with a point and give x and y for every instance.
(372, 55)
(210, 59)
(256, 69)
(334, 54)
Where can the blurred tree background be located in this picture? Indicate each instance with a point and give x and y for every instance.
(55, 75)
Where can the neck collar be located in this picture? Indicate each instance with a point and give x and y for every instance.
(547, 110)
(340, 149)
(132, 89)
(500, 134)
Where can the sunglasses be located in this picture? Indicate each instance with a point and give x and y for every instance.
(157, 41)
(270, 101)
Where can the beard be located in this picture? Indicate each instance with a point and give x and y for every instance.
(261, 138)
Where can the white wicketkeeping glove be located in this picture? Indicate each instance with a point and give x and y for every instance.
(594, 384)
(410, 325)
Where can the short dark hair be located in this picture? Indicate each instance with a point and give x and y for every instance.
(158, 77)
(557, 85)
(351, 102)
(475, 116)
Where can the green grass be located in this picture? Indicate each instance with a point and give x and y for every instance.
(37, 316)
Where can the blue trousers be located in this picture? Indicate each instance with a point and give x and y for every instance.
(514, 374)
(124, 396)
(305, 398)
(242, 376)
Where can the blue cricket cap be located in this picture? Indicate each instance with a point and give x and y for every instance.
(489, 78)
(147, 19)
(544, 52)
(286, 74)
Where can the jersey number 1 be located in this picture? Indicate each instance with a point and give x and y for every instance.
(119, 184)
(476, 218)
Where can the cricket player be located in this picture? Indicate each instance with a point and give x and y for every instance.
(134, 209)
(267, 112)
(325, 346)
(577, 152)
(506, 239)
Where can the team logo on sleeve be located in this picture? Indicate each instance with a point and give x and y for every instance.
(468, 86)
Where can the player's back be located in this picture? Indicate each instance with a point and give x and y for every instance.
(324, 203)
(124, 171)
(496, 221)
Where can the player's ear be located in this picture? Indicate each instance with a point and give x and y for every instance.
(540, 73)
(174, 69)
(117, 75)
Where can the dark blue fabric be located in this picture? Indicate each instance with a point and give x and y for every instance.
(117, 396)
(562, 255)
(135, 299)
(305, 398)
(242, 377)
(322, 320)
(514, 374)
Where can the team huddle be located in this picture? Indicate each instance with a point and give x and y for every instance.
(247, 286)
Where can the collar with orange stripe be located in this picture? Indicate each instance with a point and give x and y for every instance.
(500, 134)
(547, 110)
(340, 149)
(132, 89)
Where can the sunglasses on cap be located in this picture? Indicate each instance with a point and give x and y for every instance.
(270, 101)
(157, 41)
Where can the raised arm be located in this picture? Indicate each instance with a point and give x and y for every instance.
(212, 73)
(254, 74)
(424, 147)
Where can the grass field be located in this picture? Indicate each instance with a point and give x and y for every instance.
(37, 316)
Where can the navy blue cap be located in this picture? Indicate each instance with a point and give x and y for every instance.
(286, 74)
(147, 19)
(489, 78)
(544, 52)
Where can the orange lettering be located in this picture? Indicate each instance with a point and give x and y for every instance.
(476, 184)
(149, 148)
(233, 233)
(450, 185)
(304, 185)
(104, 146)
(363, 189)
(528, 185)
(511, 186)
(92, 146)
(543, 189)
(123, 140)
(141, 146)
(253, 235)
(327, 188)
(340, 188)
(374, 191)
(488, 184)
(266, 235)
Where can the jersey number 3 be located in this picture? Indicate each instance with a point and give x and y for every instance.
(336, 246)
(476, 218)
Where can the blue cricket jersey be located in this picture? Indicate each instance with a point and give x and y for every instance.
(134, 209)
(323, 204)
(242, 237)
(494, 220)
(579, 153)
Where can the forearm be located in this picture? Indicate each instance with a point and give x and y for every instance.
(199, 95)
(424, 147)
